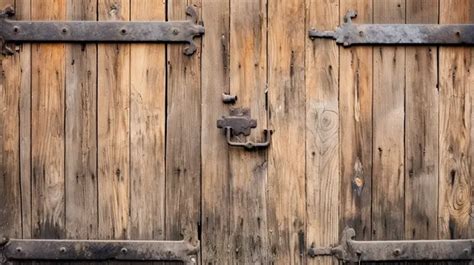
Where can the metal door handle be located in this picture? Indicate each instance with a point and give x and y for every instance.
(249, 144)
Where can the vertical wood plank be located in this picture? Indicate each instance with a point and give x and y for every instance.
(113, 127)
(81, 129)
(286, 172)
(216, 207)
(10, 186)
(147, 129)
(322, 129)
(388, 125)
(355, 106)
(455, 117)
(183, 136)
(248, 175)
(421, 133)
(48, 90)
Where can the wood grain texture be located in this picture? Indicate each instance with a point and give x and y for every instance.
(421, 132)
(183, 136)
(147, 129)
(113, 128)
(286, 97)
(47, 118)
(248, 170)
(455, 118)
(216, 207)
(81, 129)
(355, 106)
(388, 129)
(323, 182)
(10, 185)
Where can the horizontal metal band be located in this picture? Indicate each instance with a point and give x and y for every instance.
(392, 34)
(98, 250)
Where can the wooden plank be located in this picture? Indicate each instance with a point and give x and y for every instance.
(355, 106)
(388, 129)
(10, 188)
(421, 132)
(183, 136)
(455, 117)
(286, 167)
(248, 170)
(216, 207)
(113, 128)
(147, 129)
(81, 129)
(322, 130)
(47, 128)
(23, 11)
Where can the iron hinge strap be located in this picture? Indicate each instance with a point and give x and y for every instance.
(12, 31)
(97, 250)
(350, 250)
(394, 34)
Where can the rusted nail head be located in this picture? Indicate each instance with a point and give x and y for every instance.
(62, 249)
(175, 31)
(397, 252)
(124, 250)
(123, 31)
(19, 249)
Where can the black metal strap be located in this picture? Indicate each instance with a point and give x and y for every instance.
(100, 31)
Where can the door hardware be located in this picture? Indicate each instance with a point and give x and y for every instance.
(239, 122)
(412, 34)
(350, 250)
(12, 31)
(228, 98)
(97, 250)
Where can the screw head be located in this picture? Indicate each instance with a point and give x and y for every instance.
(124, 250)
(19, 249)
(397, 252)
(62, 249)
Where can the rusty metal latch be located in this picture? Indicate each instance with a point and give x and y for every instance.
(390, 34)
(12, 31)
(350, 250)
(239, 122)
(96, 250)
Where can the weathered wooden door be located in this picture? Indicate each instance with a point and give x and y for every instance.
(119, 141)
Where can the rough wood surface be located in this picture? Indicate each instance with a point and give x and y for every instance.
(216, 207)
(355, 106)
(147, 129)
(421, 132)
(47, 128)
(286, 157)
(388, 129)
(81, 129)
(322, 130)
(248, 170)
(113, 104)
(455, 117)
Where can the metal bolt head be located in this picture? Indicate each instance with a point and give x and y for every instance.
(16, 29)
(466, 251)
(62, 249)
(64, 30)
(124, 250)
(175, 31)
(19, 249)
(193, 260)
(397, 252)
(123, 31)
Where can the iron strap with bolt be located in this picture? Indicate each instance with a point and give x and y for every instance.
(97, 250)
(12, 31)
(350, 250)
(390, 34)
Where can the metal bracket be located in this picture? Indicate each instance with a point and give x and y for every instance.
(240, 123)
(412, 34)
(350, 250)
(99, 31)
(97, 250)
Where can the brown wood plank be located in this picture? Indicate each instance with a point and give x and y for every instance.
(248, 170)
(455, 118)
(216, 207)
(81, 129)
(183, 136)
(113, 127)
(355, 106)
(147, 129)
(322, 130)
(421, 132)
(286, 167)
(388, 129)
(10, 188)
(47, 101)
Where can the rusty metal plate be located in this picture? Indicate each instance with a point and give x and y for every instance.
(239, 121)
(101, 31)
(98, 250)
(392, 34)
(350, 250)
